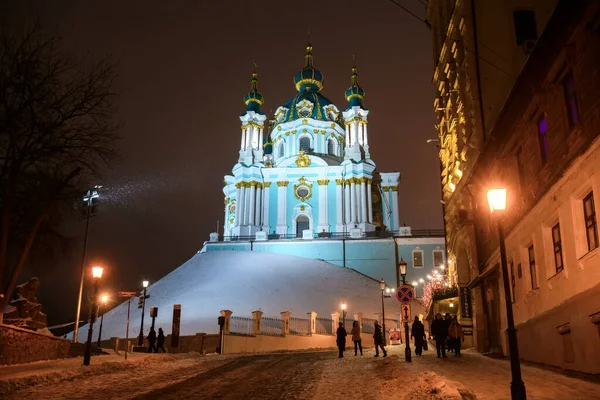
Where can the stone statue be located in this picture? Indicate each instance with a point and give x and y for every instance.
(24, 309)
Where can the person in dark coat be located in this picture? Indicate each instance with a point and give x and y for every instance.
(160, 341)
(418, 333)
(151, 340)
(456, 335)
(440, 333)
(356, 337)
(341, 339)
(378, 339)
(449, 341)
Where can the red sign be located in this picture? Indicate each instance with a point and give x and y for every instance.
(405, 294)
(128, 294)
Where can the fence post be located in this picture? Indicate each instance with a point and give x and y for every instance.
(285, 316)
(335, 319)
(256, 317)
(312, 316)
(358, 317)
(227, 315)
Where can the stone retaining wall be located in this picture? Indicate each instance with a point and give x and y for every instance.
(19, 346)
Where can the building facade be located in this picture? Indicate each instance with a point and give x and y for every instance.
(310, 168)
(537, 135)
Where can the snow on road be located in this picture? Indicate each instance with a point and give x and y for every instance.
(289, 375)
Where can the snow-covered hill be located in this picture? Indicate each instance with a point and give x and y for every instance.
(247, 281)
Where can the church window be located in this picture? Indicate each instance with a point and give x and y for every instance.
(305, 112)
(302, 223)
(302, 192)
(417, 258)
(304, 143)
(280, 151)
(331, 147)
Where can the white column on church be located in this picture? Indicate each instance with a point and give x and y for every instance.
(252, 203)
(281, 205)
(366, 139)
(323, 223)
(339, 218)
(347, 205)
(355, 138)
(258, 207)
(260, 139)
(369, 201)
(240, 203)
(347, 135)
(353, 201)
(395, 215)
(243, 139)
(387, 206)
(363, 201)
(265, 203)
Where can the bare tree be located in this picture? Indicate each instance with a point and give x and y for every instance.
(56, 132)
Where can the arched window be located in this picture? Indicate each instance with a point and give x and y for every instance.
(280, 151)
(302, 223)
(304, 143)
(331, 147)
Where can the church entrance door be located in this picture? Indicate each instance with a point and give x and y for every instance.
(302, 223)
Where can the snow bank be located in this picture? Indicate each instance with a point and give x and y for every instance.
(247, 281)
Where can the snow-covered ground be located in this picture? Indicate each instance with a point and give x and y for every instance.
(289, 375)
(247, 281)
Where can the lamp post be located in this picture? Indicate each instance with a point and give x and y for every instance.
(497, 203)
(141, 338)
(89, 201)
(383, 296)
(103, 301)
(402, 269)
(344, 306)
(96, 274)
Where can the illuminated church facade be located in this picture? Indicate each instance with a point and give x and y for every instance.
(308, 171)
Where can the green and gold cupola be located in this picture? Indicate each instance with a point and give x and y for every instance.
(253, 98)
(355, 93)
(309, 79)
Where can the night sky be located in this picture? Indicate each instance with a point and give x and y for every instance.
(184, 69)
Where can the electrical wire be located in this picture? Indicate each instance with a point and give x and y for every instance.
(446, 37)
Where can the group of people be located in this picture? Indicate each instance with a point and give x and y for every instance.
(156, 343)
(448, 333)
(356, 338)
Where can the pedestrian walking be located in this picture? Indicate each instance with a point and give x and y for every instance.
(341, 339)
(151, 340)
(448, 321)
(440, 334)
(160, 341)
(356, 337)
(418, 333)
(456, 335)
(378, 339)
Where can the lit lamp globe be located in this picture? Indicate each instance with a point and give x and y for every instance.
(104, 299)
(496, 199)
(145, 284)
(344, 306)
(382, 285)
(97, 272)
(402, 267)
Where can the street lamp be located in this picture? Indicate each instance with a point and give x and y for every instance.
(96, 274)
(497, 202)
(383, 295)
(88, 200)
(141, 338)
(103, 301)
(402, 269)
(344, 314)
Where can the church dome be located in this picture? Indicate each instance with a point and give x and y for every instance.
(253, 99)
(355, 93)
(309, 78)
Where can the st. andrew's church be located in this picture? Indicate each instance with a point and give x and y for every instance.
(309, 170)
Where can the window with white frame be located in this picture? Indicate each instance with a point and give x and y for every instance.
(532, 267)
(557, 248)
(280, 150)
(331, 147)
(417, 256)
(304, 143)
(438, 258)
(589, 215)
